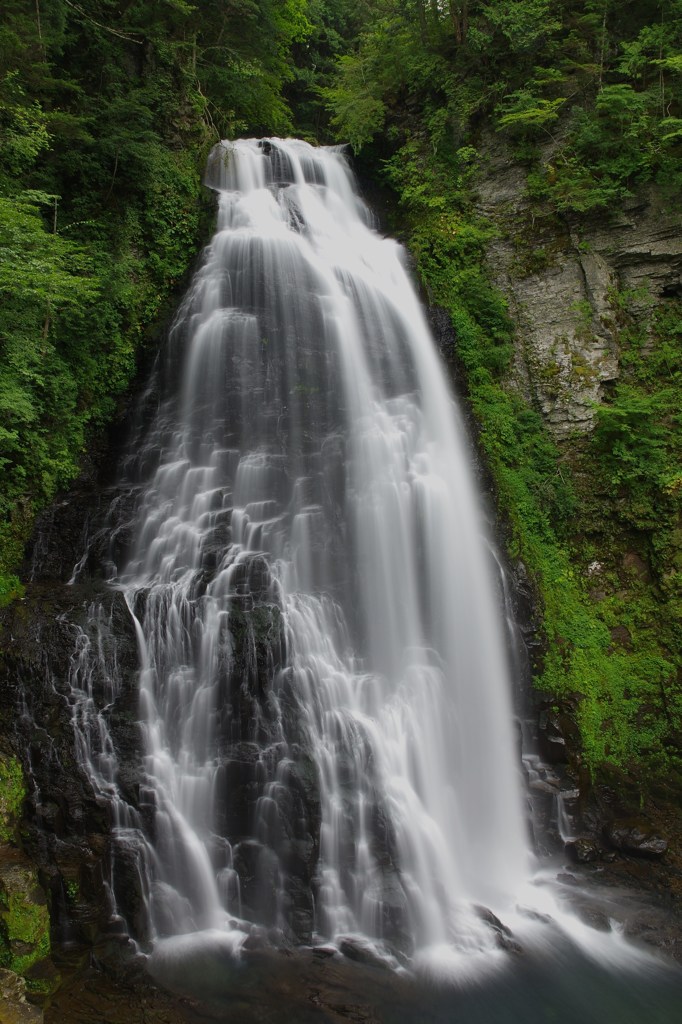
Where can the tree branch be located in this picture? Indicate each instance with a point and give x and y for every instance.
(113, 31)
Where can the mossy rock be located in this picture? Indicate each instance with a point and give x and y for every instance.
(12, 792)
(24, 916)
(25, 924)
(13, 1006)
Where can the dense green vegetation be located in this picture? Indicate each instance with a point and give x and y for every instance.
(629, 519)
(106, 114)
(590, 91)
(589, 96)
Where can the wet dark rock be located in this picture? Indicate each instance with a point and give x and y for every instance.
(61, 535)
(591, 914)
(440, 323)
(256, 939)
(659, 927)
(66, 828)
(394, 917)
(583, 851)
(504, 935)
(130, 893)
(525, 610)
(257, 868)
(216, 543)
(558, 732)
(636, 837)
(254, 651)
(324, 952)
(553, 744)
(362, 952)
(210, 984)
(252, 576)
(299, 908)
(276, 872)
(488, 917)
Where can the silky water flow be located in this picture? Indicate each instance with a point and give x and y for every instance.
(328, 737)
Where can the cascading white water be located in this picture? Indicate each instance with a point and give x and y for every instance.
(312, 481)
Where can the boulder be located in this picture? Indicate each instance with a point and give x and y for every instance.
(558, 733)
(13, 1006)
(583, 850)
(635, 836)
(503, 933)
(363, 952)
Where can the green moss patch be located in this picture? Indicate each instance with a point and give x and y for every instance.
(12, 792)
(24, 925)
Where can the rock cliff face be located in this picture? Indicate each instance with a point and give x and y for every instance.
(62, 830)
(565, 285)
(576, 289)
(48, 698)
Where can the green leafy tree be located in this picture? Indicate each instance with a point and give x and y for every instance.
(106, 115)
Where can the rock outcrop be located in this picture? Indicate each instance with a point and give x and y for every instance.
(566, 283)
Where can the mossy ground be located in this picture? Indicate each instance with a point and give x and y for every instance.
(24, 916)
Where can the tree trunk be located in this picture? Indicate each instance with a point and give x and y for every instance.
(459, 15)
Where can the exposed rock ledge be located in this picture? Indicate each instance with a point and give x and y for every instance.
(561, 279)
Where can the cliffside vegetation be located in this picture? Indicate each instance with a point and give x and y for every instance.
(106, 113)
(589, 98)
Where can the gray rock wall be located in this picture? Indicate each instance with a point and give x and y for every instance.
(562, 281)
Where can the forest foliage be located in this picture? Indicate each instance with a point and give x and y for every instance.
(590, 92)
(106, 114)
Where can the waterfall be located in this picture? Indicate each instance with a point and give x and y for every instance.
(328, 743)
